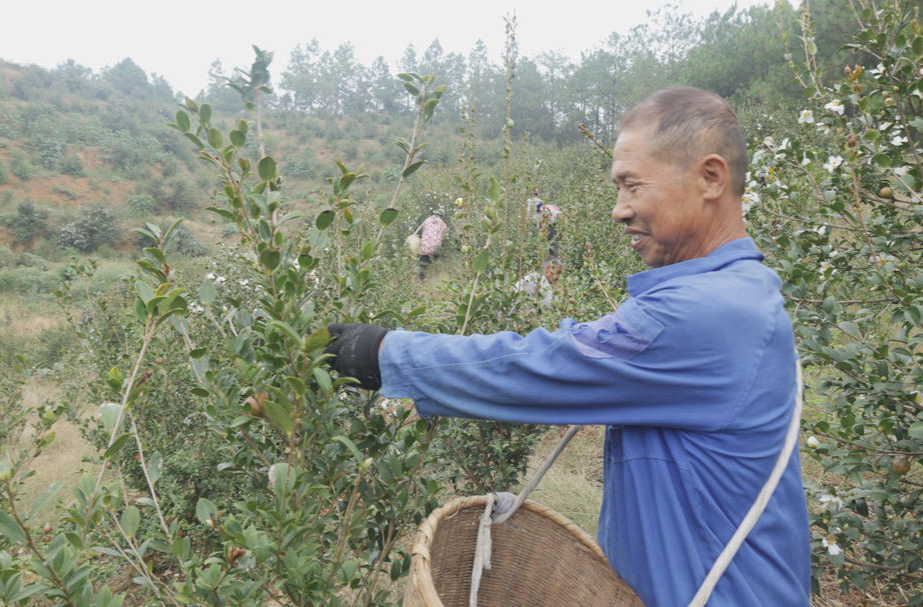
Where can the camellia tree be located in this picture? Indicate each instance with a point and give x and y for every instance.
(837, 205)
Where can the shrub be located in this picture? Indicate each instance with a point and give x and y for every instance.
(141, 205)
(28, 222)
(21, 165)
(185, 243)
(94, 227)
(838, 212)
(72, 165)
(182, 194)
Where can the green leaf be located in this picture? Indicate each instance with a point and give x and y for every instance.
(916, 430)
(182, 120)
(144, 290)
(848, 328)
(279, 416)
(480, 262)
(493, 191)
(116, 379)
(116, 446)
(109, 413)
(412, 168)
(10, 529)
(267, 168)
(323, 379)
(205, 113)
(411, 89)
(270, 258)
(317, 339)
(287, 329)
(46, 495)
(154, 469)
(130, 520)
(324, 219)
(238, 138)
(351, 446)
(882, 160)
(215, 138)
(207, 292)
(207, 512)
(198, 142)
(429, 107)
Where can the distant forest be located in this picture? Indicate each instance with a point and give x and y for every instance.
(739, 54)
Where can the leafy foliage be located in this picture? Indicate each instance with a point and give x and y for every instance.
(841, 216)
(94, 227)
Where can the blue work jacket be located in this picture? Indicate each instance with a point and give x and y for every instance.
(694, 377)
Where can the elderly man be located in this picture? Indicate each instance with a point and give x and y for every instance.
(693, 375)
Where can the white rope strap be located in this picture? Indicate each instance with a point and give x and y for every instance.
(484, 544)
(505, 511)
(749, 521)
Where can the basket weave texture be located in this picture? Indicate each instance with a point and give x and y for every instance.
(539, 558)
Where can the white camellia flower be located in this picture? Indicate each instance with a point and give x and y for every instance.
(898, 140)
(806, 117)
(812, 441)
(832, 547)
(833, 163)
(210, 276)
(831, 502)
(769, 142)
(835, 106)
(901, 171)
(824, 129)
(878, 70)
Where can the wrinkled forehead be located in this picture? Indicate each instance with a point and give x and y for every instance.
(632, 146)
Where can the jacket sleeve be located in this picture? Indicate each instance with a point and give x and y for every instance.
(630, 367)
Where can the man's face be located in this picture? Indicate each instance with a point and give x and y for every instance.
(657, 202)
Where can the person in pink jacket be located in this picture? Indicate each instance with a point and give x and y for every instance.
(432, 234)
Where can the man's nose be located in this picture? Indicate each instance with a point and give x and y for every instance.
(621, 211)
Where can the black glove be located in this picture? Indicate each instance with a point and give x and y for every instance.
(355, 350)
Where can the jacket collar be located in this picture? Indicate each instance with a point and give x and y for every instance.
(736, 250)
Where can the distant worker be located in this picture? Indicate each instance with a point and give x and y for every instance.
(545, 216)
(535, 284)
(432, 234)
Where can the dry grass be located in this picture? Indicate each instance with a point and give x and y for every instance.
(26, 318)
(60, 461)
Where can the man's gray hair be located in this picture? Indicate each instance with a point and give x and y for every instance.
(689, 123)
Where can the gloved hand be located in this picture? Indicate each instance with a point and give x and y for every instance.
(355, 348)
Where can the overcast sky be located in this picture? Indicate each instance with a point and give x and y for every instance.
(179, 40)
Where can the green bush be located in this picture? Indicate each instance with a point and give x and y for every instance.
(21, 165)
(72, 165)
(838, 211)
(141, 205)
(27, 223)
(94, 227)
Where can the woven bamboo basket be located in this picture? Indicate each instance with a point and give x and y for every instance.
(539, 558)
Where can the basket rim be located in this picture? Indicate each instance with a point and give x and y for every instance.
(423, 538)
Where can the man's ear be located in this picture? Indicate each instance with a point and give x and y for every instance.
(714, 175)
